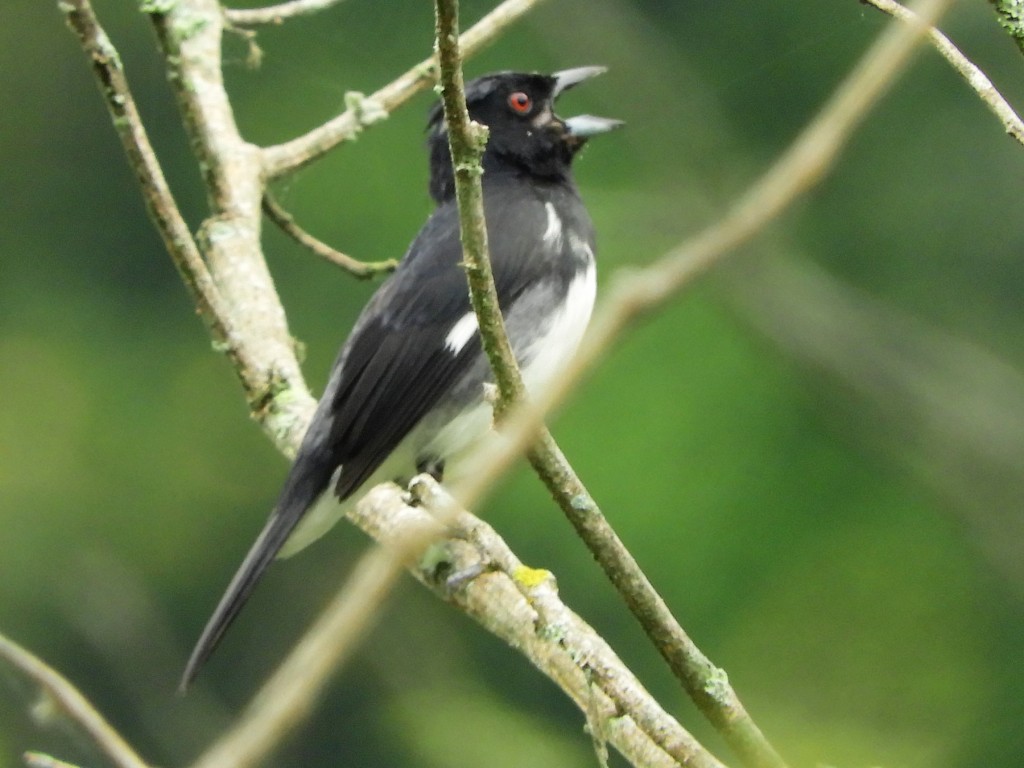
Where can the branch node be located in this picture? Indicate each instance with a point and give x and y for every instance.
(366, 109)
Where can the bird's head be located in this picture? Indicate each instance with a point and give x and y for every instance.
(525, 134)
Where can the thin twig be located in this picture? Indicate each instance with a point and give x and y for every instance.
(43, 760)
(69, 700)
(276, 14)
(705, 683)
(362, 270)
(365, 110)
(160, 203)
(807, 160)
(970, 72)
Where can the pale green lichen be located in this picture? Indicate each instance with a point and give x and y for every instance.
(581, 502)
(717, 685)
(1011, 18)
(436, 557)
(555, 633)
(157, 6)
(366, 110)
(187, 25)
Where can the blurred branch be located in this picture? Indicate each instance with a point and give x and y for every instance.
(949, 410)
(800, 167)
(1011, 18)
(189, 33)
(707, 685)
(286, 222)
(806, 161)
(275, 14)
(365, 110)
(42, 760)
(975, 78)
(62, 694)
(555, 640)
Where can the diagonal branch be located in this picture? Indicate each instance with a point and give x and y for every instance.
(706, 684)
(554, 639)
(362, 110)
(160, 203)
(970, 72)
(70, 701)
(361, 270)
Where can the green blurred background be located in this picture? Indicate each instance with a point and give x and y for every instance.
(817, 453)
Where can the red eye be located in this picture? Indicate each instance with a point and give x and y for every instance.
(520, 102)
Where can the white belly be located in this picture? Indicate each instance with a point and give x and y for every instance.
(542, 358)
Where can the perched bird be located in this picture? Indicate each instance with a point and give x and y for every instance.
(406, 393)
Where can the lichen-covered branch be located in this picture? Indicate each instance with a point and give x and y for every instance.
(189, 33)
(523, 611)
(276, 14)
(160, 202)
(975, 78)
(364, 110)
(707, 685)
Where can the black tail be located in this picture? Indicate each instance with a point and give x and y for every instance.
(306, 481)
(261, 554)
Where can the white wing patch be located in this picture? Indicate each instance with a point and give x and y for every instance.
(461, 333)
(548, 353)
(553, 232)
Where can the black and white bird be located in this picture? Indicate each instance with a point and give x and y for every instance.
(406, 393)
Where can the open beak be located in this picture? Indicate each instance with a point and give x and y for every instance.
(582, 126)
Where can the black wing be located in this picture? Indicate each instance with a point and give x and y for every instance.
(392, 370)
